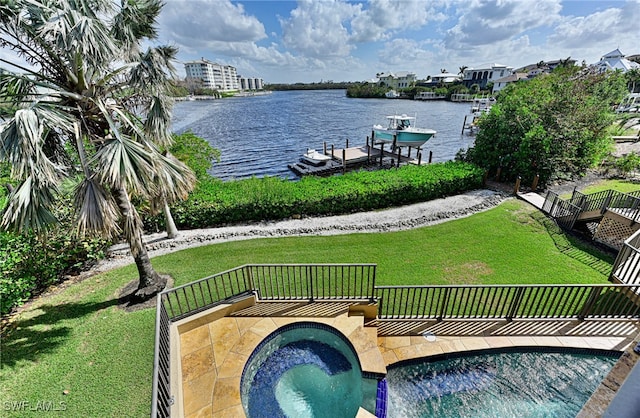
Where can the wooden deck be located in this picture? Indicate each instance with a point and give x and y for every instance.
(345, 159)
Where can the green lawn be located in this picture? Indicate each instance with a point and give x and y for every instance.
(620, 185)
(79, 341)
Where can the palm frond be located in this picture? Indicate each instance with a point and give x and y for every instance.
(158, 122)
(96, 212)
(28, 208)
(175, 179)
(125, 163)
(135, 21)
(74, 33)
(21, 145)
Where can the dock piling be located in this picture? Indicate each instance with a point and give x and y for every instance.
(516, 188)
(430, 156)
(534, 185)
(344, 160)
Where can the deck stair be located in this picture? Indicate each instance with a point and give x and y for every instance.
(616, 214)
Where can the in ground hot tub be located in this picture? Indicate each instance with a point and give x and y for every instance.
(305, 369)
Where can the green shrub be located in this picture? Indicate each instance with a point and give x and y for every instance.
(628, 164)
(29, 265)
(215, 203)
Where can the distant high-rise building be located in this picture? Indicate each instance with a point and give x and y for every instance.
(250, 83)
(212, 75)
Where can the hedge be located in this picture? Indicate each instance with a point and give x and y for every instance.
(216, 203)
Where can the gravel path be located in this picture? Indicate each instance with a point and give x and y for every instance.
(394, 219)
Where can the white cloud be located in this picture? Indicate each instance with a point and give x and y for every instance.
(611, 25)
(317, 28)
(383, 17)
(484, 23)
(399, 53)
(198, 23)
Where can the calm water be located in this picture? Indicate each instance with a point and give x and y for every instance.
(261, 135)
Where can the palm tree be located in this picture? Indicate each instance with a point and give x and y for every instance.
(88, 104)
(462, 69)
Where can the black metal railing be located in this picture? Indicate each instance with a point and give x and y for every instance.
(205, 293)
(508, 302)
(162, 399)
(273, 282)
(313, 281)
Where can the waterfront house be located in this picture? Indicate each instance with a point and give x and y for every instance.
(487, 73)
(615, 60)
(501, 83)
(398, 80)
(543, 67)
(440, 79)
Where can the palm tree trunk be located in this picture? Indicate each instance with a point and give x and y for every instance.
(172, 231)
(150, 281)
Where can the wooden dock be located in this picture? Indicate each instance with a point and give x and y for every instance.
(350, 158)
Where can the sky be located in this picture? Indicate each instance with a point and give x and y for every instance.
(335, 40)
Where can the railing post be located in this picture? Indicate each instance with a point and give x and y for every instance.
(515, 304)
(373, 285)
(311, 283)
(443, 305)
(590, 303)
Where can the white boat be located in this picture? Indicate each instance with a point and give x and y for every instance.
(392, 94)
(401, 132)
(314, 157)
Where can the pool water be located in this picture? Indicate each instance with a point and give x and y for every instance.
(306, 370)
(497, 385)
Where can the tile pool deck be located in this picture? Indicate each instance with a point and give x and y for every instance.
(212, 348)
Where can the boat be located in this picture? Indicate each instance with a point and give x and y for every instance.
(392, 94)
(401, 132)
(314, 157)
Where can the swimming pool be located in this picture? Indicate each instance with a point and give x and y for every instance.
(305, 370)
(510, 383)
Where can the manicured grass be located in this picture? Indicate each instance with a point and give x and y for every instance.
(620, 185)
(79, 341)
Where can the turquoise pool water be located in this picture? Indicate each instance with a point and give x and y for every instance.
(497, 385)
(305, 370)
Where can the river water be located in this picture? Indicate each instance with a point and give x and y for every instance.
(261, 135)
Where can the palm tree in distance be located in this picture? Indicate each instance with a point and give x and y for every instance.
(88, 104)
